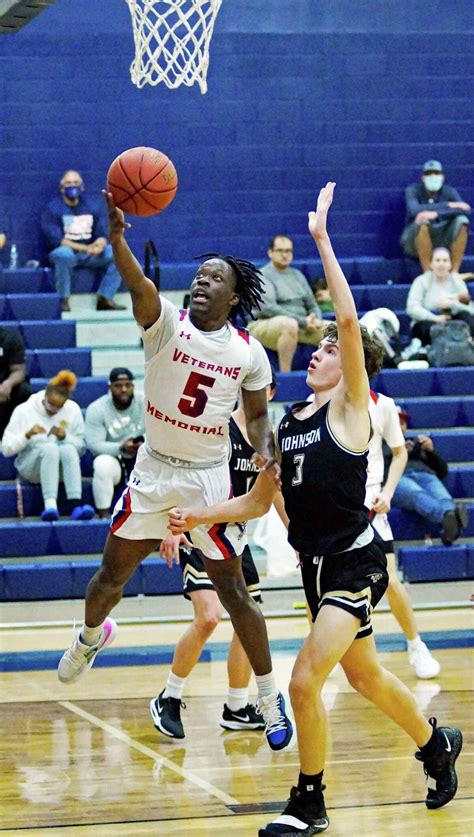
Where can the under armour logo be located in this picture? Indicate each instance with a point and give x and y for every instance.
(375, 577)
(183, 334)
(237, 447)
(286, 424)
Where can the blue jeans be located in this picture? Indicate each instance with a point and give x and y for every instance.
(423, 493)
(65, 260)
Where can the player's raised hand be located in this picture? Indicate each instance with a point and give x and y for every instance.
(117, 222)
(180, 521)
(169, 548)
(317, 220)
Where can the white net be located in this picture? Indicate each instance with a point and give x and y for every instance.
(172, 40)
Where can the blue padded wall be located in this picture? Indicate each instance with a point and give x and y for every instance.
(299, 92)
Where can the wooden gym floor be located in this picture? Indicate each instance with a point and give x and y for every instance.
(86, 759)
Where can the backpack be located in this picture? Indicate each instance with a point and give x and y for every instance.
(451, 344)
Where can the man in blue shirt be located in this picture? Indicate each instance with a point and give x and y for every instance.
(74, 229)
(436, 216)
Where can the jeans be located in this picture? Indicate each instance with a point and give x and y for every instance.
(423, 493)
(65, 260)
(44, 462)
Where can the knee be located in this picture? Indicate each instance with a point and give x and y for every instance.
(304, 686)
(68, 451)
(207, 621)
(62, 254)
(289, 326)
(49, 451)
(103, 465)
(233, 593)
(365, 681)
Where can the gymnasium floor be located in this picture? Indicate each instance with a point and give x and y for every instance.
(86, 759)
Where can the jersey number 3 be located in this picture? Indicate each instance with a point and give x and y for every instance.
(298, 460)
(196, 401)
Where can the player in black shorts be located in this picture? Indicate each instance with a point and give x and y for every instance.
(323, 459)
(238, 712)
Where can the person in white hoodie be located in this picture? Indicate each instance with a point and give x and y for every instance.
(46, 433)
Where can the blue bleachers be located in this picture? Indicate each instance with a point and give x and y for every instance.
(87, 389)
(408, 526)
(26, 281)
(45, 334)
(44, 363)
(32, 306)
(437, 563)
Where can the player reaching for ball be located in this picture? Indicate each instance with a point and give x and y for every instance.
(196, 362)
(323, 448)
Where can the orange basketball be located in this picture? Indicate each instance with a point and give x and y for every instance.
(143, 181)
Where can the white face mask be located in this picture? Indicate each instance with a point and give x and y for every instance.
(433, 182)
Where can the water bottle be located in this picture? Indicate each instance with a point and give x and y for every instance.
(13, 257)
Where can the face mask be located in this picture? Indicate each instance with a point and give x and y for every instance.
(433, 182)
(72, 192)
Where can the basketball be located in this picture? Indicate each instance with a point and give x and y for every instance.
(143, 181)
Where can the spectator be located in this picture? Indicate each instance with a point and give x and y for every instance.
(74, 228)
(115, 428)
(420, 488)
(322, 295)
(13, 387)
(289, 314)
(436, 216)
(47, 434)
(436, 296)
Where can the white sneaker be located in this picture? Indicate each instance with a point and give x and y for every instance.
(423, 662)
(79, 658)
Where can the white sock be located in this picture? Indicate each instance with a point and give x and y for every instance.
(50, 503)
(91, 636)
(237, 699)
(413, 644)
(174, 686)
(266, 684)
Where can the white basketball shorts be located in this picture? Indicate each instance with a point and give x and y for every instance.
(155, 487)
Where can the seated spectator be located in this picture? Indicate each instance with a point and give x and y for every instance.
(436, 216)
(420, 488)
(47, 435)
(13, 386)
(436, 296)
(322, 295)
(289, 314)
(74, 228)
(115, 429)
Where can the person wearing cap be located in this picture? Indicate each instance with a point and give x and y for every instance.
(115, 429)
(436, 216)
(420, 488)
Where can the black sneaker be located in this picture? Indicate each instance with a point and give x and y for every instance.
(304, 815)
(246, 718)
(166, 714)
(439, 768)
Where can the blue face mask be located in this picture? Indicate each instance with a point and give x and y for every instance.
(72, 192)
(433, 182)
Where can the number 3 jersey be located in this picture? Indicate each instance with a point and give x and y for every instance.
(192, 381)
(323, 485)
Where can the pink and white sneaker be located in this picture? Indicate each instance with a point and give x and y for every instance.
(79, 658)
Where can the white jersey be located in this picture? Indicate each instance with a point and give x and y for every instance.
(385, 427)
(192, 381)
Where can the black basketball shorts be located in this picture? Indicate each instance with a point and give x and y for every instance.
(354, 581)
(195, 576)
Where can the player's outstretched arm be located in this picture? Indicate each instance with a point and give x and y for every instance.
(356, 385)
(145, 296)
(246, 507)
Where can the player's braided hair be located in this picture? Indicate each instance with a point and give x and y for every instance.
(248, 284)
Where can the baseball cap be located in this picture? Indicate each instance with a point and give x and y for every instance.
(432, 165)
(402, 413)
(120, 372)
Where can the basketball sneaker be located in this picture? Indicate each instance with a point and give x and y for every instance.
(246, 718)
(304, 815)
(439, 768)
(278, 727)
(166, 715)
(423, 662)
(79, 658)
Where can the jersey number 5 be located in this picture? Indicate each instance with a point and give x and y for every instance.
(196, 401)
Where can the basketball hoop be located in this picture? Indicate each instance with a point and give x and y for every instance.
(172, 40)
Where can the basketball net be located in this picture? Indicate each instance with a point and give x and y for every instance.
(172, 40)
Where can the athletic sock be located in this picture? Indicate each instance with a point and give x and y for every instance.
(237, 699)
(265, 684)
(91, 636)
(308, 784)
(174, 686)
(414, 643)
(50, 503)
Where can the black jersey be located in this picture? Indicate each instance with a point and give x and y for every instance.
(323, 484)
(242, 472)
